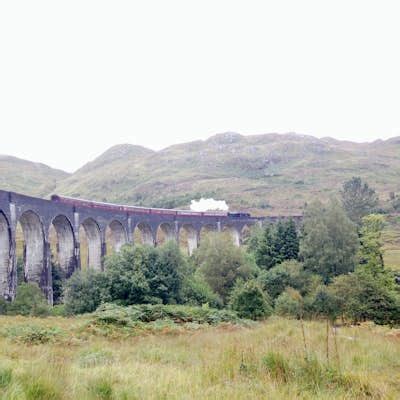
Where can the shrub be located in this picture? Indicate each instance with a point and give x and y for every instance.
(249, 301)
(221, 263)
(32, 334)
(131, 315)
(289, 273)
(29, 300)
(85, 291)
(289, 304)
(196, 292)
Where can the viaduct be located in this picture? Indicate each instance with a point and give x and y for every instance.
(37, 216)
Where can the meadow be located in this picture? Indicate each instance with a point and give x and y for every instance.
(72, 358)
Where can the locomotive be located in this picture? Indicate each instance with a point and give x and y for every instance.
(143, 210)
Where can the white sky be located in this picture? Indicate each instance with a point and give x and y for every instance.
(77, 77)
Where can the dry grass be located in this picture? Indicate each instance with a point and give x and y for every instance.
(226, 362)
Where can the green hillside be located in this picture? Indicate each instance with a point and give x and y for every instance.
(266, 174)
(28, 177)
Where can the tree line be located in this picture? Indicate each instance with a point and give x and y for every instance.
(330, 266)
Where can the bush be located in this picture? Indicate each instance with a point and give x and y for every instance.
(85, 291)
(196, 292)
(29, 300)
(131, 315)
(249, 301)
(32, 334)
(289, 273)
(289, 303)
(221, 263)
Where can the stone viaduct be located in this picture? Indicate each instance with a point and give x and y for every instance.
(37, 216)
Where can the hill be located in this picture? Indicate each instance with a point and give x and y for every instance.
(265, 174)
(28, 177)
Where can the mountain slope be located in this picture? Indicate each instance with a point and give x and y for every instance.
(28, 177)
(266, 174)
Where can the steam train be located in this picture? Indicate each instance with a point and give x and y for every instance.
(143, 210)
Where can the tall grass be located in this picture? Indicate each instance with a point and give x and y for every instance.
(223, 362)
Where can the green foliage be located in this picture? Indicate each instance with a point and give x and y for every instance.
(249, 301)
(29, 300)
(358, 199)
(370, 252)
(165, 274)
(289, 304)
(364, 295)
(32, 334)
(85, 291)
(131, 315)
(126, 274)
(221, 263)
(289, 273)
(322, 303)
(329, 242)
(6, 375)
(274, 244)
(142, 274)
(196, 292)
(4, 304)
(58, 277)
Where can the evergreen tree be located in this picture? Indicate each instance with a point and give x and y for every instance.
(265, 252)
(249, 301)
(276, 244)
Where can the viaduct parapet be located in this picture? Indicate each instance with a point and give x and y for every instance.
(37, 216)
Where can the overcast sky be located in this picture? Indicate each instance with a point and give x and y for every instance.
(77, 77)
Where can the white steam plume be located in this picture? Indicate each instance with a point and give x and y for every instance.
(208, 205)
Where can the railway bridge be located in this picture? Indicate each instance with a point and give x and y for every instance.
(106, 227)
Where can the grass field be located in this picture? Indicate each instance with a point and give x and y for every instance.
(264, 361)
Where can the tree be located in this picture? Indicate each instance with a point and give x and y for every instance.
(370, 252)
(29, 300)
(221, 263)
(290, 273)
(364, 295)
(165, 274)
(358, 199)
(288, 240)
(249, 301)
(276, 243)
(329, 242)
(84, 291)
(58, 277)
(127, 274)
(289, 303)
(265, 252)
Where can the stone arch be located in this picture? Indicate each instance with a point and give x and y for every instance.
(5, 259)
(65, 244)
(165, 233)
(188, 238)
(94, 247)
(116, 236)
(34, 248)
(232, 231)
(143, 234)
